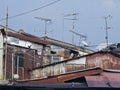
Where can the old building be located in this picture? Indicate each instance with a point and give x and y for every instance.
(20, 52)
(93, 79)
(102, 59)
(65, 51)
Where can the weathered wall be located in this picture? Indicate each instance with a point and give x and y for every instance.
(45, 55)
(59, 68)
(34, 55)
(103, 60)
(31, 58)
(1, 56)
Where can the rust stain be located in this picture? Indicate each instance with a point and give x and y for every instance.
(105, 79)
(106, 61)
(64, 77)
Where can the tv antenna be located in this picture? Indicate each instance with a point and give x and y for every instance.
(46, 22)
(73, 26)
(82, 39)
(106, 27)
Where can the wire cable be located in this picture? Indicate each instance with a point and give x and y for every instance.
(24, 13)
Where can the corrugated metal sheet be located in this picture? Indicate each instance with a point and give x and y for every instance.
(78, 61)
(48, 71)
(96, 81)
(65, 77)
(106, 79)
(59, 68)
(103, 60)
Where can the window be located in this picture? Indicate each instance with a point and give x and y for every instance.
(13, 40)
(19, 60)
(56, 59)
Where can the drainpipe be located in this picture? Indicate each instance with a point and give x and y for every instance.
(12, 67)
(17, 64)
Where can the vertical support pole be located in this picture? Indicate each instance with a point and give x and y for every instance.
(5, 70)
(17, 65)
(106, 28)
(73, 29)
(12, 67)
(45, 28)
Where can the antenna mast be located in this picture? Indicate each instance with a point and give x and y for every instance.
(82, 37)
(73, 25)
(46, 21)
(6, 36)
(107, 28)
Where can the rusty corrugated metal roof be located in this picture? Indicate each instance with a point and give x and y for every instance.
(106, 79)
(95, 78)
(101, 52)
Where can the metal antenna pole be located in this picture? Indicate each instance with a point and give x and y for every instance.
(82, 37)
(73, 26)
(6, 36)
(46, 21)
(106, 28)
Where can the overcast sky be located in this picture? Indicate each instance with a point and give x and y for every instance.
(90, 20)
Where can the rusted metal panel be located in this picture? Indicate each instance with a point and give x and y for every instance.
(1, 56)
(96, 81)
(78, 61)
(57, 69)
(105, 79)
(103, 60)
(65, 77)
(61, 68)
(48, 71)
(74, 67)
(77, 64)
(79, 73)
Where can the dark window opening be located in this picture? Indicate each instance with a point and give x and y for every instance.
(78, 80)
(19, 60)
(118, 45)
